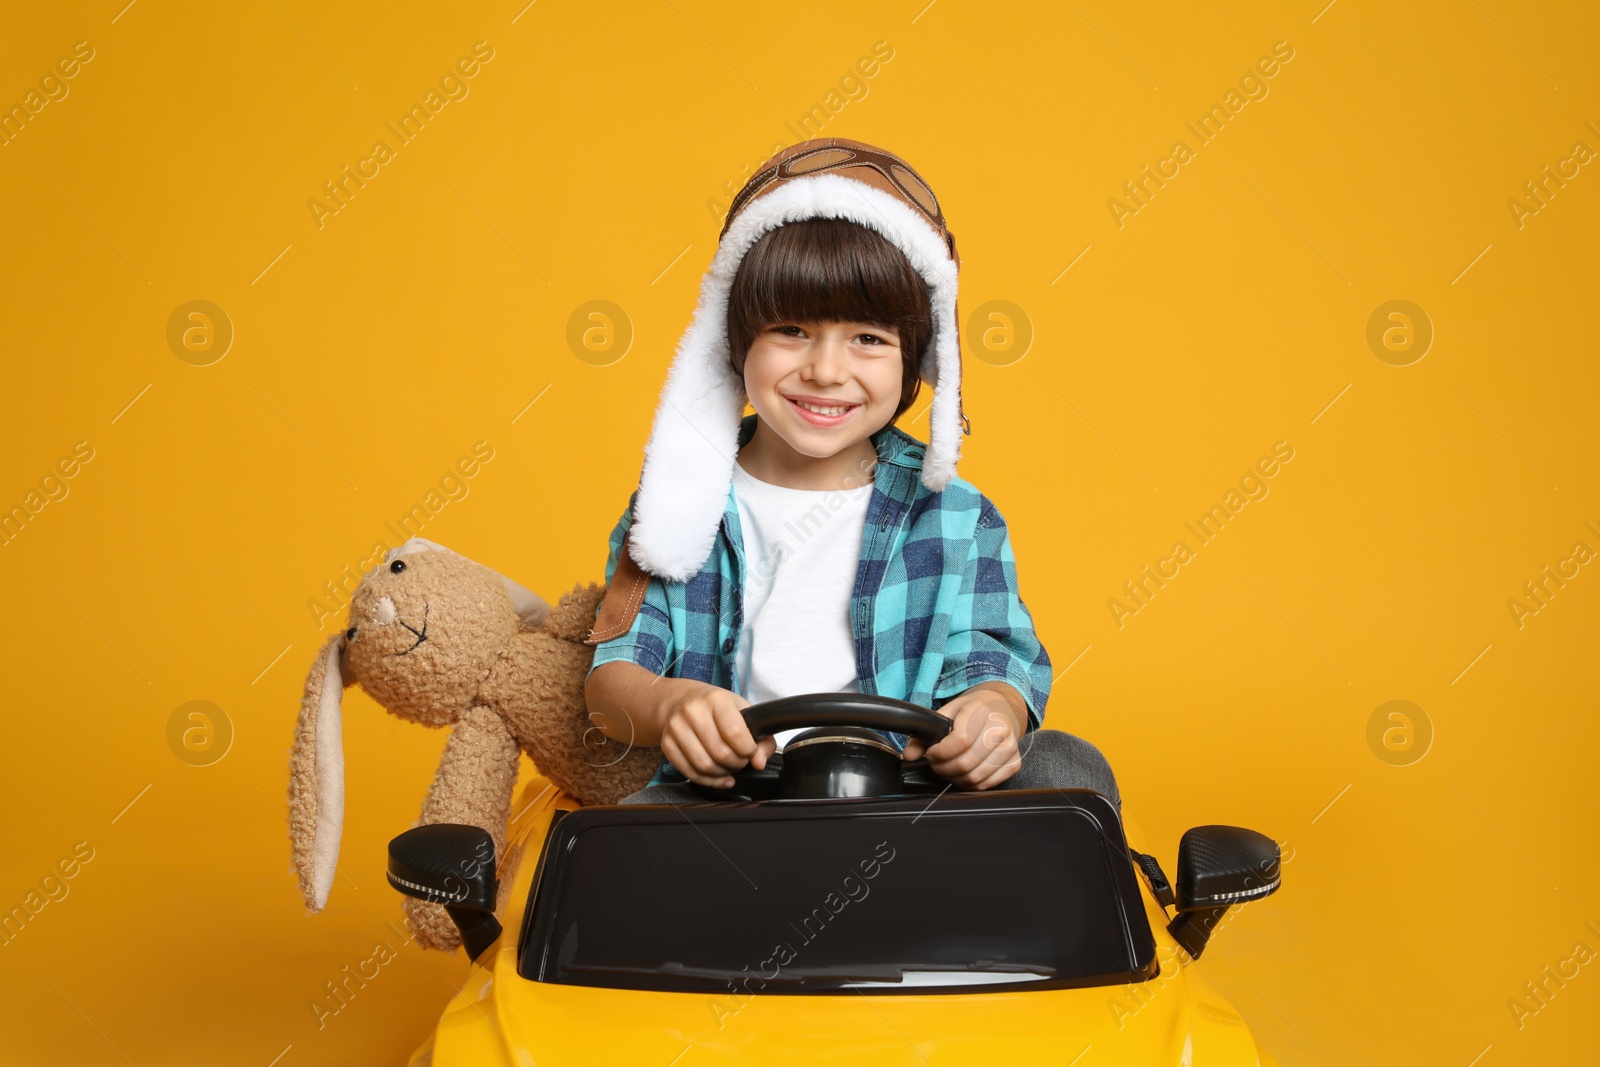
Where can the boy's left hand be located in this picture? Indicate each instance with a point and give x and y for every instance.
(981, 750)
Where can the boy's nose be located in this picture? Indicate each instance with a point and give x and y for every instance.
(828, 361)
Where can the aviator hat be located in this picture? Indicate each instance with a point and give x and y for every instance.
(688, 467)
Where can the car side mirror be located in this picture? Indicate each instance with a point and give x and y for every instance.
(451, 864)
(1218, 867)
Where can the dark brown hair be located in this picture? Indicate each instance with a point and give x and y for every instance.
(831, 270)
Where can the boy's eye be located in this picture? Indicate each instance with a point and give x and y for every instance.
(790, 330)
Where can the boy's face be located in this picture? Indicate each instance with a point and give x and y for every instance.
(830, 365)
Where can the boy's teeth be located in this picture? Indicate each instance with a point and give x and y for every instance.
(824, 411)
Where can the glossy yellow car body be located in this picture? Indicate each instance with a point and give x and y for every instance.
(500, 1019)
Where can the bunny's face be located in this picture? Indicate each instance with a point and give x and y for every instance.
(424, 631)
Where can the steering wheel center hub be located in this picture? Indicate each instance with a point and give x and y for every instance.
(839, 761)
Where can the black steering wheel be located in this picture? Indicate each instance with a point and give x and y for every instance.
(838, 755)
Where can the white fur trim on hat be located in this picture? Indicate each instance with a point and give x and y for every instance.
(689, 459)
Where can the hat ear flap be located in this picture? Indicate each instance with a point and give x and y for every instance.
(316, 776)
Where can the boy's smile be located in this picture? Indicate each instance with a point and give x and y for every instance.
(820, 410)
(820, 391)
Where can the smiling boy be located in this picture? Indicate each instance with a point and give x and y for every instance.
(813, 546)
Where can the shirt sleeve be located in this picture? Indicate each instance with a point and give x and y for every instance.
(991, 630)
(648, 641)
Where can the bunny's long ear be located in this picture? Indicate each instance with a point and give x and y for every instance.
(316, 777)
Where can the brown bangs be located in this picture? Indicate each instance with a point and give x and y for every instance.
(831, 270)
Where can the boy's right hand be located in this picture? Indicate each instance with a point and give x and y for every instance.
(705, 735)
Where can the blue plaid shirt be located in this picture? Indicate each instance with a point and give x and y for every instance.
(935, 609)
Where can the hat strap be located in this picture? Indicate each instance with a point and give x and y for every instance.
(623, 598)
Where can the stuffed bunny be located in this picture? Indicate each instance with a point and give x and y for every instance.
(441, 640)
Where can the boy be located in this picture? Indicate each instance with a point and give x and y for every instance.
(813, 546)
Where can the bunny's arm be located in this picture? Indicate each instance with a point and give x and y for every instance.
(474, 784)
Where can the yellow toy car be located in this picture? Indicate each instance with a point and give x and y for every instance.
(835, 907)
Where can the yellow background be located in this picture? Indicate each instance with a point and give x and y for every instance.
(1229, 313)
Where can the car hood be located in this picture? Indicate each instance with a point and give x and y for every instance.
(1175, 1018)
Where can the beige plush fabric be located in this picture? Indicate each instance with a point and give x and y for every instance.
(440, 642)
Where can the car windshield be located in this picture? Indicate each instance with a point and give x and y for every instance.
(833, 895)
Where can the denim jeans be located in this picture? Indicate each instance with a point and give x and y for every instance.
(1051, 759)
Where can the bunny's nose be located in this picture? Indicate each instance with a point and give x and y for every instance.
(383, 611)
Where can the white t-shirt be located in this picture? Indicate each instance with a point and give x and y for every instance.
(801, 549)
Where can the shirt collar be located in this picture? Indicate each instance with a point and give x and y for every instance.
(897, 480)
